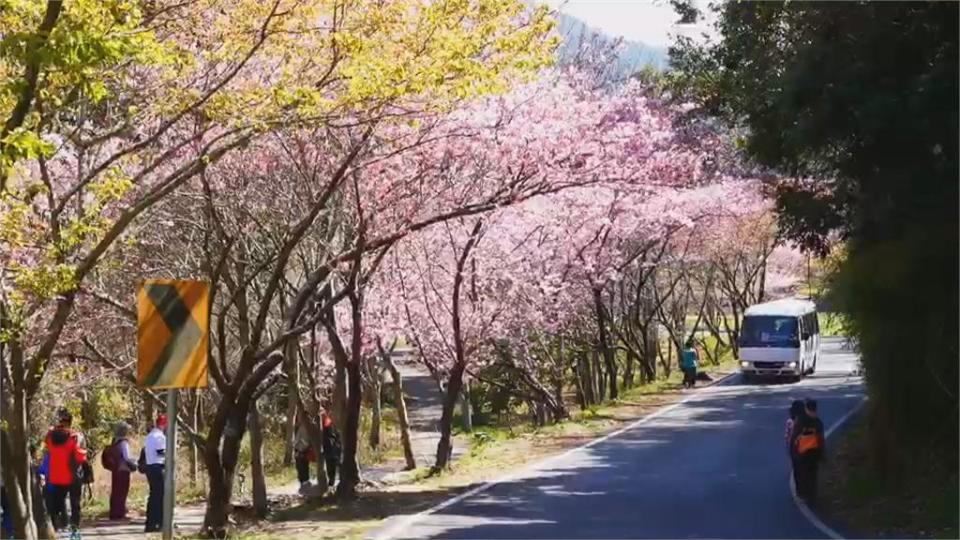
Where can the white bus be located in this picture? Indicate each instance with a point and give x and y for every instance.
(780, 339)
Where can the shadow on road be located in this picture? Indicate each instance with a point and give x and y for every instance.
(715, 467)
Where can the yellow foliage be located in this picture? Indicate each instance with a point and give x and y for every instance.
(109, 67)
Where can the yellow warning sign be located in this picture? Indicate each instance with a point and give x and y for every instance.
(173, 332)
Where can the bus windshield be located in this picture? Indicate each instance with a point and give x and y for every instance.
(769, 331)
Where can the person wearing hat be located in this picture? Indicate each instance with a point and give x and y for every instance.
(65, 448)
(120, 462)
(155, 448)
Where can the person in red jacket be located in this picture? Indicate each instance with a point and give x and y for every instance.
(66, 455)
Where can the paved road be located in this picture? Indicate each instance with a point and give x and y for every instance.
(712, 467)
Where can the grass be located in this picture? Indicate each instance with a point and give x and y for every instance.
(832, 324)
(922, 503)
(187, 492)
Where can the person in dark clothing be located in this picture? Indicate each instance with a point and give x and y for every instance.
(808, 448)
(302, 456)
(66, 456)
(794, 415)
(331, 449)
(154, 451)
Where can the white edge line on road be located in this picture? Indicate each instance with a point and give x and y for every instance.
(406, 521)
(802, 506)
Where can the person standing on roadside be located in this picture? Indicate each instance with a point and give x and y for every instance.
(688, 364)
(155, 448)
(808, 448)
(331, 448)
(67, 456)
(118, 461)
(303, 452)
(793, 416)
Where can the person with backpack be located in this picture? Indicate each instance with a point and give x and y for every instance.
(331, 448)
(154, 454)
(808, 447)
(116, 459)
(66, 472)
(688, 364)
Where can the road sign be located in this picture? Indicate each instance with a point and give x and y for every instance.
(173, 332)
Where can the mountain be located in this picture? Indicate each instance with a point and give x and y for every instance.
(634, 56)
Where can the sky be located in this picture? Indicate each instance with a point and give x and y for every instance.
(648, 21)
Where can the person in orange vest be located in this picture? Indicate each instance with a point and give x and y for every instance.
(808, 449)
(67, 455)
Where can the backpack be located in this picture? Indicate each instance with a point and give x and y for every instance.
(808, 440)
(142, 461)
(110, 458)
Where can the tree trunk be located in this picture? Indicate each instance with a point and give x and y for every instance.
(15, 444)
(339, 404)
(600, 380)
(466, 414)
(194, 452)
(603, 339)
(401, 404)
(40, 516)
(350, 475)
(376, 412)
(454, 386)
(221, 460)
(292, 368)
(585, 378)
(19, 493)
(628, 370)
(256, 462)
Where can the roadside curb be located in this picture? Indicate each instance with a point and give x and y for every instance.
(403, 521)
(807, 512)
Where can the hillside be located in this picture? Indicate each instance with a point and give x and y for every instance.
(635, 55)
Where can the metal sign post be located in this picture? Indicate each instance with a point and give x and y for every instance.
(170, 466)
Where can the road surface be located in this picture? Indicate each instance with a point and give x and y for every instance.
(714, 466)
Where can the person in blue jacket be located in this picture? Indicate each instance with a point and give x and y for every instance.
(688, 364)
(6, 524)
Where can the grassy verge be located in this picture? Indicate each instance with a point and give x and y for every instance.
(922, 503)
(494, 450)
(832, 324)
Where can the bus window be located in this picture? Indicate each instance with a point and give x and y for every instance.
(769, 331)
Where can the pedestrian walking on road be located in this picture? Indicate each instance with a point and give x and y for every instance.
(155, 448)
(117, 459)
(65, 472)
(808, 450)
(688, 364)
